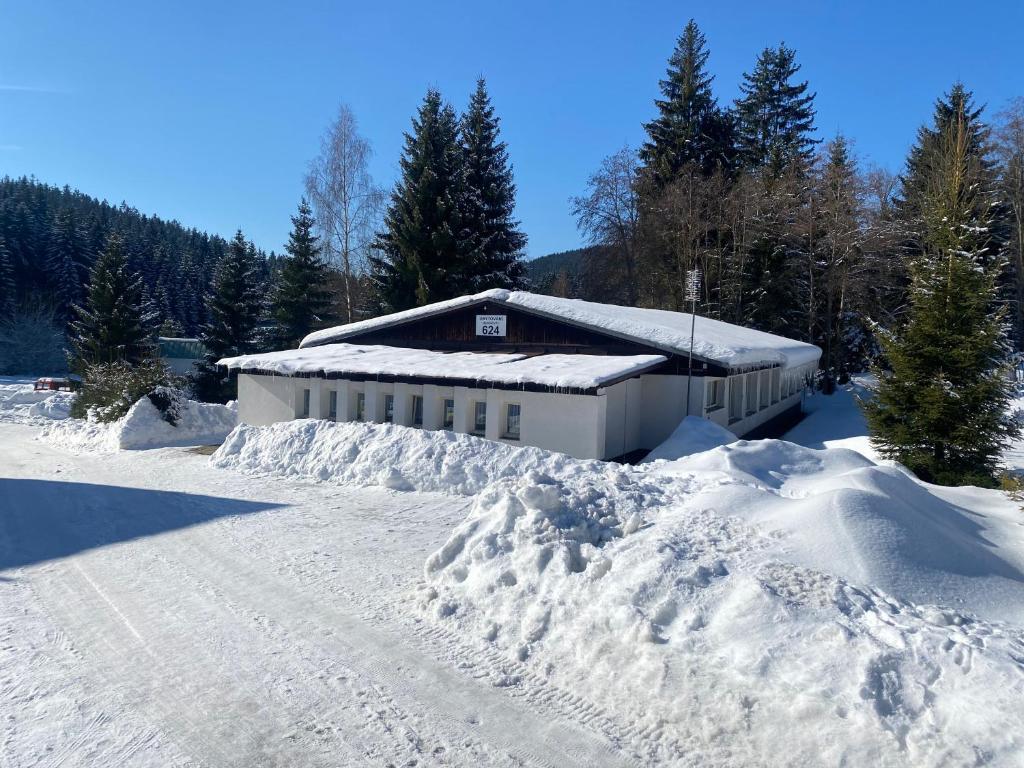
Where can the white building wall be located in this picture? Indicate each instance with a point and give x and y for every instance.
(573, 424)
(266, 399)
(634, 414)
(662, 407)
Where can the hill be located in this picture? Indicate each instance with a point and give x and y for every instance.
(561, 273)
(51, 236)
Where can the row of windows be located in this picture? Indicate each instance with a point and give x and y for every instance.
(751, 392)
(513, 412)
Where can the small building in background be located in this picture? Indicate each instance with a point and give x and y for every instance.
(587, 379)
(180, 355)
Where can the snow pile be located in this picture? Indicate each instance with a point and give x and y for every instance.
(389, 455)
(145, 427)
(693, 435)
(756, 589)
(714, 340)
(19, 402)
(877, 525)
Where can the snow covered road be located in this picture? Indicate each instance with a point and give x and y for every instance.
(156, 611)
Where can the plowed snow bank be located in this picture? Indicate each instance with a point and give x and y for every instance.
(390, 456)
(720, 602)
(144, 427)
(665, 604)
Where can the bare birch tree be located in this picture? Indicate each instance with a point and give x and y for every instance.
(346, 202)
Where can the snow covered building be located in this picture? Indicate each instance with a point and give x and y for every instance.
(591, 380)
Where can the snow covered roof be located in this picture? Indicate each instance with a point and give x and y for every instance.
(562, 371)
(714, 341)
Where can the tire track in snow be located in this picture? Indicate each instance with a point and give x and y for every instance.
(481, 663)
(455, 700)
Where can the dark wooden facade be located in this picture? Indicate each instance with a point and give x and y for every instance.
(526, 333)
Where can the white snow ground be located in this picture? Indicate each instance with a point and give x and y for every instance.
(20, 404)
(157, 611)
(757, 603)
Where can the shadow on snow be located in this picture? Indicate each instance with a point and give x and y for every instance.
(44, 520)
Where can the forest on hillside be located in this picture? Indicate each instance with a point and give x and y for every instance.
(51, 236)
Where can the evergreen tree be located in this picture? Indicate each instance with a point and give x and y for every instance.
(497, 243)
(301, 300)
(690, 127)
(421, 255)
(68, 259)
(8, 291)
(113, 325)
(943, 408)
(957, 105)
(235, 306)
(775, 117)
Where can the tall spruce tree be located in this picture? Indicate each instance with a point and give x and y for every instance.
(690, 127)
(301, 299)
(942, 407)
(496, 242)
(421, 255)
(957, 105)
(8, 290)
(68, 260)
(235, 306)
(775, 116)
(114, 324)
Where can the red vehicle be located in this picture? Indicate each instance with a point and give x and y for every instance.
(56, 385)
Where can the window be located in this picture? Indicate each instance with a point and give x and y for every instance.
(479, 417)
(765, 384)
(389, 408)
(776, 376)
(735, 398)
(417, 411)
(750, 385)
(304, 411)
(332, 407)
(448, 414)
(715, 394)
(512, 412)
(360, 406)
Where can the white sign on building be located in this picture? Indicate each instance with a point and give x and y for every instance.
(490, 325)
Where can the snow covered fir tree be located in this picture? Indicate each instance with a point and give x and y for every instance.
(235, 305)
(113, 324)
(496, 251)
(301, 299)
(448, 227)
(942, 403)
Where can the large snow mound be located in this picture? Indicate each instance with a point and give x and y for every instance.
(19, 402)
(756, 589)
(144, 427)
(693, 435)
(388, 455)
(877, 525)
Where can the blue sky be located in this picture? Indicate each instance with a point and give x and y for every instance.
(209, 112)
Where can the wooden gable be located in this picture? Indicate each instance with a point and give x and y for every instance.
(456, 330)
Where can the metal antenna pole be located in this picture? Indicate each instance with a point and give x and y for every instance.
(692, 287)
